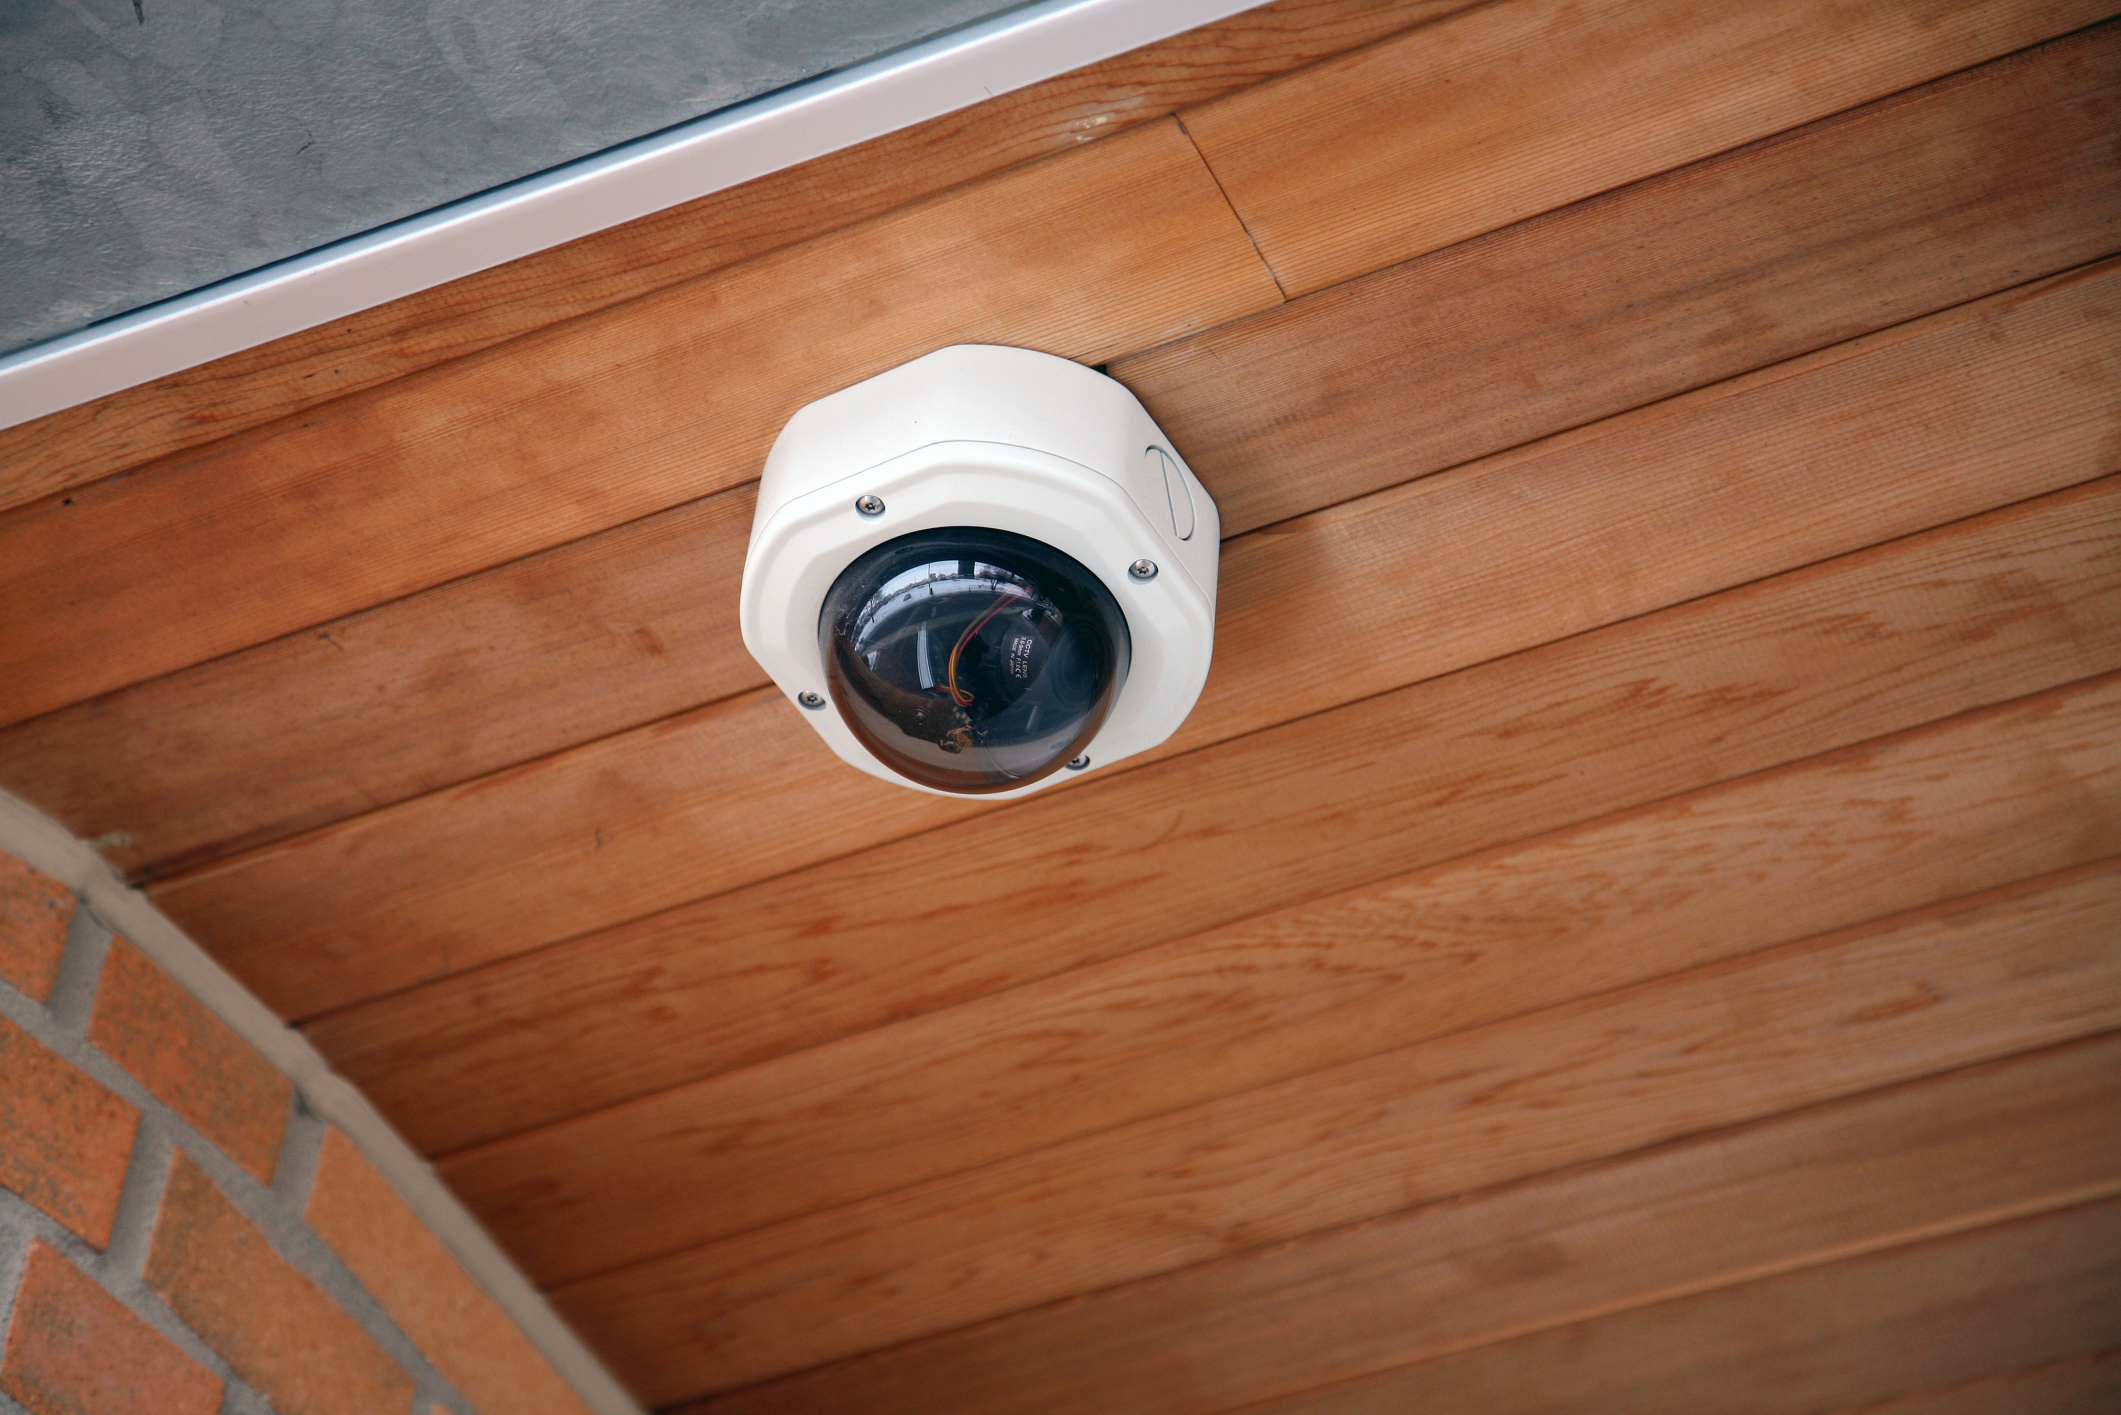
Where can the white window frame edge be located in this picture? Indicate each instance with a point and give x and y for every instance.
(710, 154)
(923, 81)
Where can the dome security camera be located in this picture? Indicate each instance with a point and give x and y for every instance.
(981, 568)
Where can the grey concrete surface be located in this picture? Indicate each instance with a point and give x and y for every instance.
(150, 147)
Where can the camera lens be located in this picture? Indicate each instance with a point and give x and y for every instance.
(972, 660)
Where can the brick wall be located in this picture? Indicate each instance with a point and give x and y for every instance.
(180, 1234)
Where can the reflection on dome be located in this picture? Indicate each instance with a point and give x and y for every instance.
(972, 660)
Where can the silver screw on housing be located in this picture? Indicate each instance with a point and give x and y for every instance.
(1143, 569)
(813, 701)
(869, 505)
(1078, 764)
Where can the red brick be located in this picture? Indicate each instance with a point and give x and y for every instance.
(192, 1060)
(73, 1349)
(278, 1329)
(64, 1139)
(471, 1341)
(34, 913)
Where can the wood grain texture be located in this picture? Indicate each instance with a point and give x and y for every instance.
(1851, 226)
(607, 633)
(1791, 466)
(1884, 1168)
(1944, 417)
(1975, 803)
(1848, 1335)
(1752, 1037)
(291, 375)
(696, 804)
(1286, 837)
(1939, 195)
(596, 421)
(1771, 673)
(1507, 110)
(1627, 753)
(461, 1062)
(2067, 1387)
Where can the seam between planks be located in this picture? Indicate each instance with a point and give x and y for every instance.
(1117, 773)
(2059, 1195)
(1850, 752)
(1235, 215)
(1763, 376)
(1762, 141)
(1273, 278)
(1177, 115)
(2060, 1201)
(731, 198)
(2032, 885)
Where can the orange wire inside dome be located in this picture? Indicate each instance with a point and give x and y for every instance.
(957, 694)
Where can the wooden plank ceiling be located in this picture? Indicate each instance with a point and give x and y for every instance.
(1631, 925)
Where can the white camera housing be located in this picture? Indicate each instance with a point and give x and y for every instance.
(1010, 440)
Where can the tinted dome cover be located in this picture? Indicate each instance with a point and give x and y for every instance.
(972, 660)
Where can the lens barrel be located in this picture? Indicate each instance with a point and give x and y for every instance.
(972, 660)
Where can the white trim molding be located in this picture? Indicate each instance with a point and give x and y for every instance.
(721, 150)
